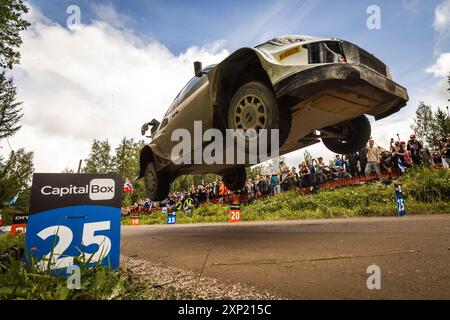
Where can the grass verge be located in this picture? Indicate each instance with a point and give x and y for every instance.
(24, 282)
(426, 191)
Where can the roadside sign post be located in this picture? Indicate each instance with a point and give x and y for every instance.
(235, 213)
(19, 224)
(401, 210)
(74, 216)
(135, 220)
(171, 218)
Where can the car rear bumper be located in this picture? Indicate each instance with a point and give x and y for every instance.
(378, 95)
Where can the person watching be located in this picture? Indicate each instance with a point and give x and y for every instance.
(373, 158)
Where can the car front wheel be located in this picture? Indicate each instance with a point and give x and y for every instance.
(254, 106)
(353, 135)
(156, 184)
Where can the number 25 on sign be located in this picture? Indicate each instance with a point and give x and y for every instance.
(235, 213)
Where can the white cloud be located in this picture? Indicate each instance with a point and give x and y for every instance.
(94, 81)
(440, 69)
(442, 16)
(108, 14)
(412, 6)
(102, 81)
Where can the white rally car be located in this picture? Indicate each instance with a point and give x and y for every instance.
(311, 89)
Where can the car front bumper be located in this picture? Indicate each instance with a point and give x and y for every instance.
(378, 95)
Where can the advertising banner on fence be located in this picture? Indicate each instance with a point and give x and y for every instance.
(74, 217)
(19, 224)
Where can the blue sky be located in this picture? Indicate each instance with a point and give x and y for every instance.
(128, 59)
(406, 41)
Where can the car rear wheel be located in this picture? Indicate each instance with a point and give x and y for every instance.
(235, 180)
(354, 135)
(254, 106)
(156, 184)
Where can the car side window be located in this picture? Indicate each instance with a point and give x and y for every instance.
(172, 106)
(191, 86)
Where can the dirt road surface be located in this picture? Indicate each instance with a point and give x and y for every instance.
(314, 259)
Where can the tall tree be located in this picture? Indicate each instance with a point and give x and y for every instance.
(16, 171)
(448, 81)
(423, 124)
(11, 24)
(100, 159)
(126, 159)
(126, 162)
(15, 176)
(441, 123)
(10, 111)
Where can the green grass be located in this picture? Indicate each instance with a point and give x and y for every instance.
(23, 281)
(426, 191)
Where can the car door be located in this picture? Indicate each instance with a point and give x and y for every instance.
(193, 104)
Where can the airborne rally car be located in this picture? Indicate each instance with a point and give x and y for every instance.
(311, 89)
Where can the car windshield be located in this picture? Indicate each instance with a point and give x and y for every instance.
(281, 41)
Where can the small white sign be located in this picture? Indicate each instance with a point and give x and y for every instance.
(101, 189)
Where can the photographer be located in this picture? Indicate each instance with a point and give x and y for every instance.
(320, 173)
(415, 148)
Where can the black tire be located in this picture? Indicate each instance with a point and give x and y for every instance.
(156, 185)
(359, 132)
(235, 180)
(277, 117)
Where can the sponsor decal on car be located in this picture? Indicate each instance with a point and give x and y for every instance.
(288, 53)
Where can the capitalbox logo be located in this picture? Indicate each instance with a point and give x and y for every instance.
(101, 189)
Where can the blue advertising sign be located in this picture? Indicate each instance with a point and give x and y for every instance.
(401, 210)
(74, 217)
(171, 218)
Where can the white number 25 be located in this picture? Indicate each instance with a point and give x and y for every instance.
(65, 237)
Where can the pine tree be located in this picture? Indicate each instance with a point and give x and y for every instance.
(11, 24)
(126, 159)
(10, 111)
(17, 170)
(15, 176)
(423, 125)
(448, 81)
(100, 159)
(441, 123)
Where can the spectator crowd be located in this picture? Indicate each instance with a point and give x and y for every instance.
(311, 173)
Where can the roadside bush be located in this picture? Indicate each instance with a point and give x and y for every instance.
(427, 185)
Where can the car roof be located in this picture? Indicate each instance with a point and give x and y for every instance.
(290, 39)
(208, 68)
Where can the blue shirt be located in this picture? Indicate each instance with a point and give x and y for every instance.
(275, 180)
(339, 163)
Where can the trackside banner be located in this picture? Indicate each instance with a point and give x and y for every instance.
(74, 218)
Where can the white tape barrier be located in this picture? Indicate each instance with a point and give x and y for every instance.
(5, 228)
